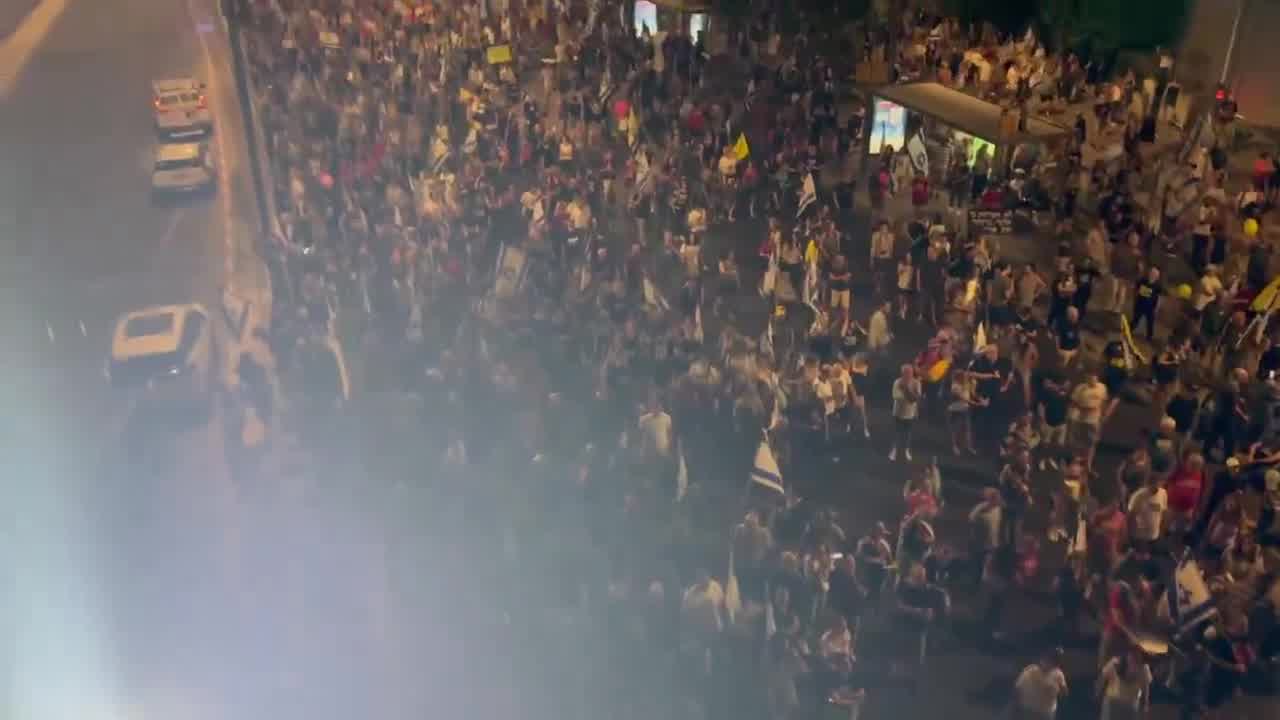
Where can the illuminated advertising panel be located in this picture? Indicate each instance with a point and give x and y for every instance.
(889, 126)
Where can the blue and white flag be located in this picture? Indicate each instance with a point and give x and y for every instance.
(811, 285)
(1191, 602)
(769, 282)
(770, 617)
(682, 477)
(808, 194)
(652, 296)
(593, 15)
(606, 88)
(765, 471)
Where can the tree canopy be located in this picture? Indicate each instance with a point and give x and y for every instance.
(1110, 24)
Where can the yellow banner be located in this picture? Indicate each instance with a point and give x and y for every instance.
(1266, 297)
(1128, 340)
(740, 149)
(499, 54)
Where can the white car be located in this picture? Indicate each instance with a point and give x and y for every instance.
(183, 168)
(182, 111)
(166, 351)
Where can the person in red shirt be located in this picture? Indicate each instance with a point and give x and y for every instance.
(992, 198)
(1185, 486)
(1262, 170)
(1108, 529)
(1121, 613)
(919, 498)
(919, 191)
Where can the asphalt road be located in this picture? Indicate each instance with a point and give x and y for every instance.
(155, 587)
(12, 13)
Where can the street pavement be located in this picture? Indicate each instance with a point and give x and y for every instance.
(152, 587)
(12, 14)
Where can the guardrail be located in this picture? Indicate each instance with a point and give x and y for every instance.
(269, 240)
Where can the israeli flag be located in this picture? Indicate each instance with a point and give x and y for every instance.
(653, 297)
(1191, 602)
(682, 477)
(811, 285)
(765, 471)
(808, 195)
(769, 283)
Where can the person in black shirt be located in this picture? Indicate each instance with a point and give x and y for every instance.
(1231, 479)
(992, 375)
(1146, 298)
(1086, 277)
(918, 235)
(839, 281)
(1069, 337)
(1183, 408)
(1229, 415)
(1053, 404)
(1115, 373)
(1269, 363)
(1165, 373)
(916, 607)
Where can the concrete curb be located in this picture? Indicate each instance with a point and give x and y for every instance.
(267, 245)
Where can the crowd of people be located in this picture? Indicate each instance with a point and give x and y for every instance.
(539, 214)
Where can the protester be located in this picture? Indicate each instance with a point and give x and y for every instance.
(1039, 688)
(510, 233)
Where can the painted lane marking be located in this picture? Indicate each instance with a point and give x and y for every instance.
(21, 45)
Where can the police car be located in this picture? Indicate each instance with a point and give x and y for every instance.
(182, 168)
(181, 109)
(166, 352)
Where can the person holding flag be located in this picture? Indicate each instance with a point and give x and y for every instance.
(808, 195)
(765, 471)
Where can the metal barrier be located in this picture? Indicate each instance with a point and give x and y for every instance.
(270, 241)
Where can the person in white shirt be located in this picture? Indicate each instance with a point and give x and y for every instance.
(1039, 687)
(878, 333)
(907, 391)
(655, 429)
(1147, 506)
(1124, 687)
(702, 607)
(823, 390)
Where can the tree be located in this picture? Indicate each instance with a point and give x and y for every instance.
(1006, 15)
(1111, 25)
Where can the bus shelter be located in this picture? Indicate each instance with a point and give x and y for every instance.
(679, 17)
(925, 117)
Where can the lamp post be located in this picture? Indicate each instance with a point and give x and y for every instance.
(1231, 42)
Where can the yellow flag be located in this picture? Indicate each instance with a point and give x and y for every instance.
(1265, 298)
(499, 54)
(740, 149)
(1127, 333)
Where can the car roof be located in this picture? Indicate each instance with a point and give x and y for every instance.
(151, 331)
(170, 152)
(172, 85)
